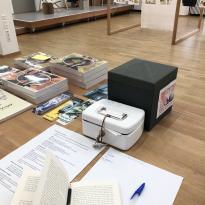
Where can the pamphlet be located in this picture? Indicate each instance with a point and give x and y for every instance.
(98, 94)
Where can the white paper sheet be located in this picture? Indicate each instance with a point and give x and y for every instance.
(161, 186)
(95, 193)
(74, 151)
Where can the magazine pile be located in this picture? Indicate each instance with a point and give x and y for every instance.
(83, 71)
(38, 60)
(31, 84)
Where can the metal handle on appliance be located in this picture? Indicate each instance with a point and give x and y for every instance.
(124, 115)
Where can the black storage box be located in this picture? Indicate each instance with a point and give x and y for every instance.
(146, 85)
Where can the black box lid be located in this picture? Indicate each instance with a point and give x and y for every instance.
(141, 71)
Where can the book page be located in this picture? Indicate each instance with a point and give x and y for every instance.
(72, 149)
(54, 184)
(96, 193)
(27, 188)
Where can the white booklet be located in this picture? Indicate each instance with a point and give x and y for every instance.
(52, 187)
(10, 105)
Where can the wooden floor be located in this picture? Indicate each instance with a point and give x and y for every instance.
(177, 143)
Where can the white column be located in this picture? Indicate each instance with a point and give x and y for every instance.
(8, 40)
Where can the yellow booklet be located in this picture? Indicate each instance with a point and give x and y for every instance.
(41, 57)
(53, 114)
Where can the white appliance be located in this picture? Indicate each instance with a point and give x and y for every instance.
(113, 123)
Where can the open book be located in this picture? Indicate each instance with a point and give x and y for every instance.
(52, 187)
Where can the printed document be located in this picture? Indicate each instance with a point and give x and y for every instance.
(73, 150)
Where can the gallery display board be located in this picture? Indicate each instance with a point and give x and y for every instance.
(8, 40)
(176, 40)
(158, 14)
(122, 2)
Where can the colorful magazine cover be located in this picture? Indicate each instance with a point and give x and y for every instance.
(5, 70)
(98, 94)
(36, 60)
(52, 103)
(32, 79)
(68, 114)
(80, 63)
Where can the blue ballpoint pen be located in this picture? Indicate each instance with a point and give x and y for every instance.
(138, 191)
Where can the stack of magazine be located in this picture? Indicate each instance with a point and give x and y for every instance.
(83, 71)
(37, 60)
(33, 85)
(5, 70)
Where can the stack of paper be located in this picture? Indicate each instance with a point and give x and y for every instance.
(73, 150)
(37, 60)
(11, 105)
(34, 85)
(83, 71)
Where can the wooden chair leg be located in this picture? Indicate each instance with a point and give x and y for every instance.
(201, 17)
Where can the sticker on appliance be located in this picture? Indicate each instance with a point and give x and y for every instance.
(166, 98)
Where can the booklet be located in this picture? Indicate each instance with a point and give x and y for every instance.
(32, 79)
(51, 186)
(98, 94)
(10, 105)
(71, 112)
(38, 60)
(80, 63)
